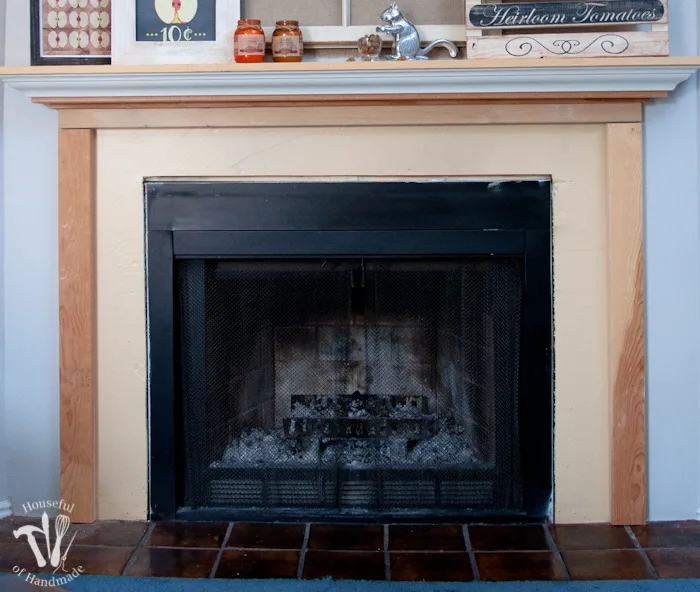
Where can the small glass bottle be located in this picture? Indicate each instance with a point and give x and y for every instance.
(249, 42)
(287, 42)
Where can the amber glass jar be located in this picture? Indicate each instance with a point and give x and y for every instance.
(249, 42)
(287, 42)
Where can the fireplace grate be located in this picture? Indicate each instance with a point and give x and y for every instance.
(331, 492)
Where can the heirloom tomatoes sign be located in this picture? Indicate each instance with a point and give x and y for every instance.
(176, 21)
(562, 14)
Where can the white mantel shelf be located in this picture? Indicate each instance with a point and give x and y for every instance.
(651, 76)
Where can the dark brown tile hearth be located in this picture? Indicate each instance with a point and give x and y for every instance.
(12, 554)
(590, 537)
(606, 565)
(431, 567)
(424, 552)
(344, 565)
(9, 525)
(98, 561)
(108, 561)
(676, 563)
(257, 535)
(111, 534)
(172, 563)
(668, 534)
(508, 538)
(347, 537)
(188, 534)
(445, 537)
(503, 567)
(253, 564)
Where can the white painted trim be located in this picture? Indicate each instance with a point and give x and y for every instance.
(349, 81)
(5, 509)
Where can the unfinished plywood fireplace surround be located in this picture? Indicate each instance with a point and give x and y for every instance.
(578, 123)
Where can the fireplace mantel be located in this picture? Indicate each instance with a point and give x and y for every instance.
(605, 78)
(606, 92)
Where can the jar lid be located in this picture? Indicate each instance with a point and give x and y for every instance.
(287, 23)
(254, 22)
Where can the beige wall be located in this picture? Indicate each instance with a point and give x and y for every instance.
(573, 155)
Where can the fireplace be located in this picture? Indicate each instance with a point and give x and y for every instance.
(350, 349)
(576, 124)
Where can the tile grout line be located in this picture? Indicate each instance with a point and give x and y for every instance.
(676, 548)
(302, 552)
(642, 550)
(266, 549)
(387, 559)
(358, 551)
(470, 551)
(556, 552)
(220, 554)
(139, 545)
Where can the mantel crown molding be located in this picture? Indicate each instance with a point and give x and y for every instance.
(607, 75)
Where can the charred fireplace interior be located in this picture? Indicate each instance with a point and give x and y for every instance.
(350, 349)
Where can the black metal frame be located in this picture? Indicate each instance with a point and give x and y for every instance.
(294, 220)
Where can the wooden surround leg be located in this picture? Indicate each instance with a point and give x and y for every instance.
(77, 310)
(626, 322)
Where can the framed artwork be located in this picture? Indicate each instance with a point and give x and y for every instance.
(173, 31)
(70, 32)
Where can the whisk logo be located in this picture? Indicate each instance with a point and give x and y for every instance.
(50, 546)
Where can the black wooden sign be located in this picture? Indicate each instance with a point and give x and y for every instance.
(543, 14)
(175, 21)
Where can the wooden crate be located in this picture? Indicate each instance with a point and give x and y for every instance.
(566, 28)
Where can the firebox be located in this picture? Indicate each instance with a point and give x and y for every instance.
(350, 349)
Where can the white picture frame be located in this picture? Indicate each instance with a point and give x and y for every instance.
(127, 51)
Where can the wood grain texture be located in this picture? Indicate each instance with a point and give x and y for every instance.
(568, 45)
(356, 116)
(626, 323)
(77, 310)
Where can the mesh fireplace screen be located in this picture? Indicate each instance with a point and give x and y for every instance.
(341, 384)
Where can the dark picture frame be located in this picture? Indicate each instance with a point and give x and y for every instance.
(37, 57)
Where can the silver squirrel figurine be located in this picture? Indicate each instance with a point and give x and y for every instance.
(406, 37)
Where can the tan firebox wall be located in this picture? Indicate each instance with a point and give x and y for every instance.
(572, 155)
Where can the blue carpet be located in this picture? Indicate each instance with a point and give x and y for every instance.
(108, 584)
